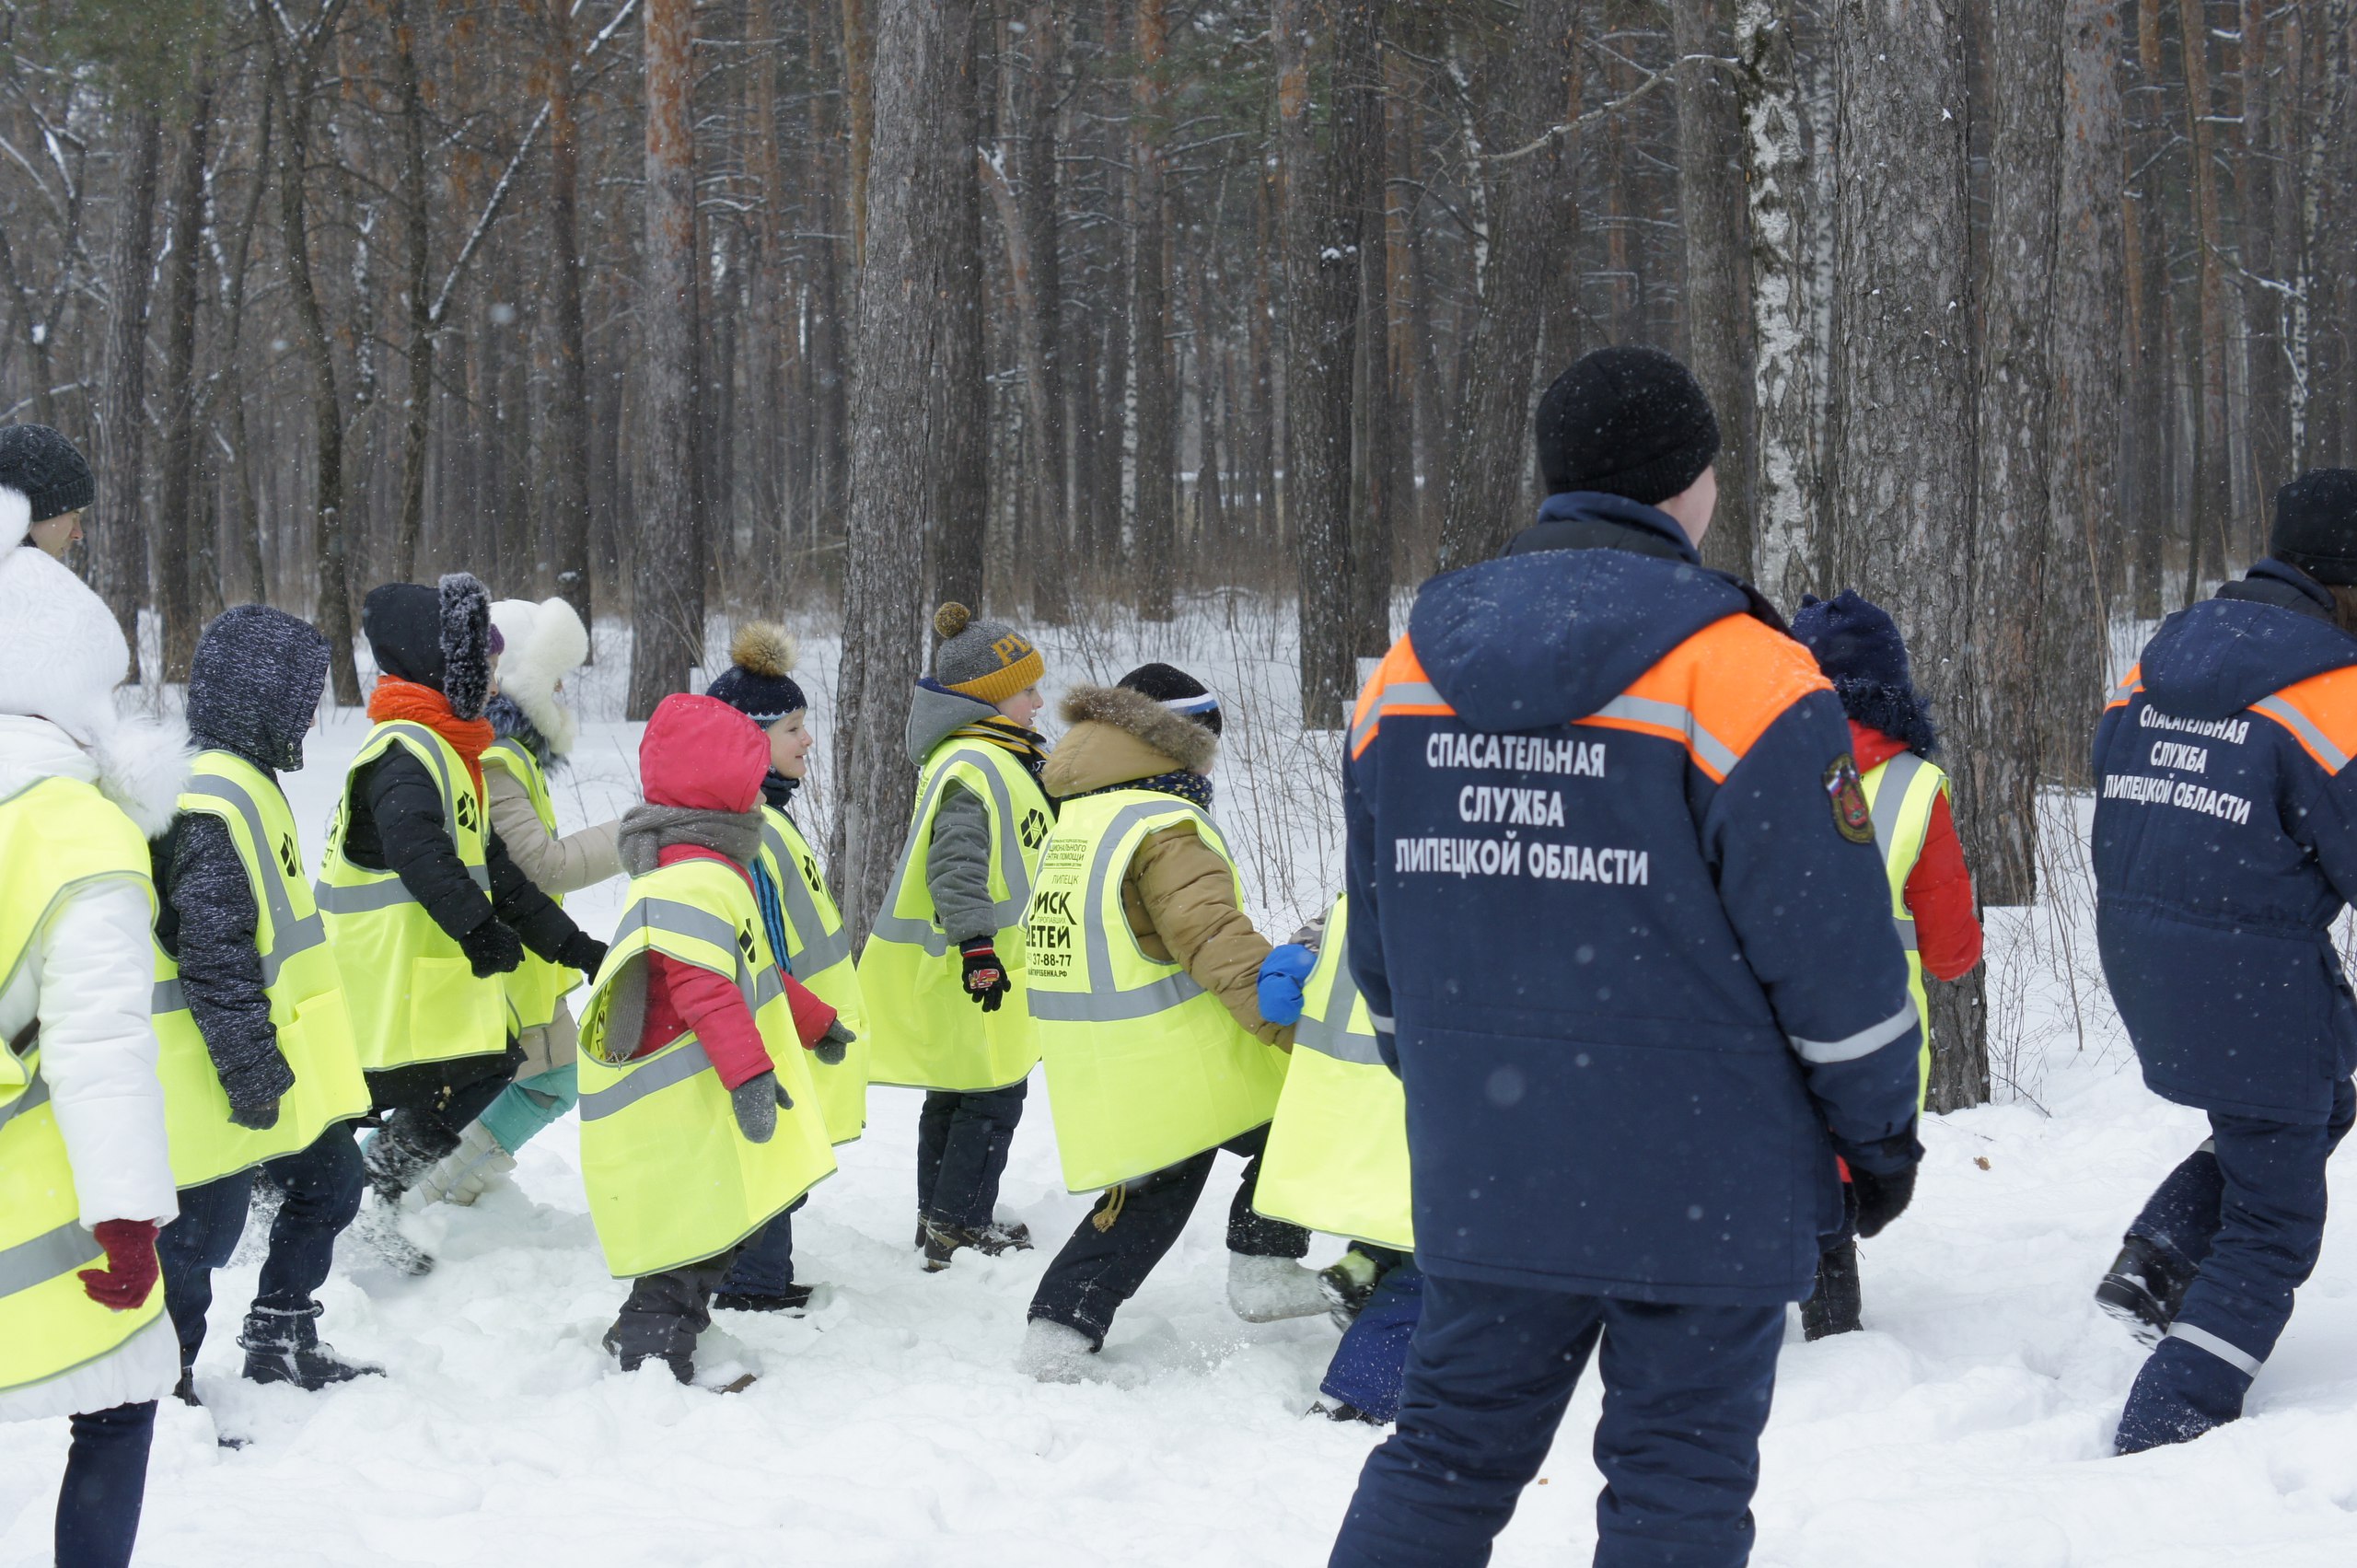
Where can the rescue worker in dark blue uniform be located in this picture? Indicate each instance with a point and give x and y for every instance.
(1617, 910)
(2225, 845)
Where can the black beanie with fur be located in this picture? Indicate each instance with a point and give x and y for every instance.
(1176, 689)
(438, 636)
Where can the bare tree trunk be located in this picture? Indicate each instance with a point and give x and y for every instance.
(1711, 204)
(568, 490)
(2213, 512)
(962, 469)
(417, 215)
(175, 558)
(1490, 447)
(1043, 335)
(666, 615)
(859, 94)
(118, 531)
(1157, 523)
(907, 313)
(1376, 423)
(1785, 396)
(1902, 427)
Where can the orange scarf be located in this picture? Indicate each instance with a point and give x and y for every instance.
(395, 699)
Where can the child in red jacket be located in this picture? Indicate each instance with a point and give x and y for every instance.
(1858, 647)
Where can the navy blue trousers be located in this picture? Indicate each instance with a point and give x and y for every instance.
(1371, 1364)
(962, 1142)
(2253, 1252)
(1686, 1393)
(765, 1265)
(322, 1184)
(106, 1484)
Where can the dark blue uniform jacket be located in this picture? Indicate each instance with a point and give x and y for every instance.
(1641, 985)
(2226, 844)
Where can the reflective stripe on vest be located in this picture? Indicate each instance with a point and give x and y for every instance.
(1144, 1067)
(670, 1178)
(410, 990)
(536, 987)
(818, 955)
(1901, 794)
(1337, 1158)
(301, 981)
(926, 1032)
(58, 836)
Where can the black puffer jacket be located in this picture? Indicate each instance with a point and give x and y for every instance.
(253, 689)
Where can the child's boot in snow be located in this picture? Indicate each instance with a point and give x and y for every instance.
(940, 1241)
(1270, 1290)
(793, 1299)
(1342, 1410)
(1012, 1236)
(469, 1171)
(2143, 1290)
(1834, 1307)
(283, 1345)
(1054, 1353)
(1347, 1285)
(393, 1164)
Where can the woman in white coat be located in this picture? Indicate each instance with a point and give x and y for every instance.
(76, 992)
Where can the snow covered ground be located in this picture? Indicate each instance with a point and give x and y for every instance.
(1969, 1427)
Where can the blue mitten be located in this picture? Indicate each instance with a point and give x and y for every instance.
(1281, 973)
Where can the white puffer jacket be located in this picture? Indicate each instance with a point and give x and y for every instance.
(90, 977)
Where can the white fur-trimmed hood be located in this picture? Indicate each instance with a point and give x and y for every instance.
(546, 642)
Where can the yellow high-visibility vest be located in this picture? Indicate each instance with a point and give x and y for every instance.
(1146, 1068)
(671, 1178)
(409, 988)
(928, 1033)
(299, 976)
(56, 836)
(1337, 1159)
(1901, 794)
(817, 953)
(536, 987)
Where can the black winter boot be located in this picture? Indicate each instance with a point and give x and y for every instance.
(283, 1345)
(793, 1299)
(1834, 1307)
(940, 1241)
(2143, 1290)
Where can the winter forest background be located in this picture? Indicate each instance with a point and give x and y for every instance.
(1103, 312)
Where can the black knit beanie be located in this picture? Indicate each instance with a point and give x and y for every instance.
(47, 469)
(1629, 422)
(1176, 689)
(1859, 647)
(759, 682)
(2315, 525)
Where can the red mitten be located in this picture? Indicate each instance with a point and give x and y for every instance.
(130, 1268)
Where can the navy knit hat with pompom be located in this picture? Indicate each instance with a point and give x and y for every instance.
(1858, 647)
(759, 682)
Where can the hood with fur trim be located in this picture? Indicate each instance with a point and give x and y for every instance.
(546, 642)
(61, 656)
(1118, 735)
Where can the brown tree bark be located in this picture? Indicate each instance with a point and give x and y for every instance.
(859, 98)
(961, 453)
(118, 531)
(667, 614)
(1712, 211)
(568, 434)
(906, 316)
(1036, 89)
(2211, 515)
(417, 277)
(177, 557)
(1156, 527)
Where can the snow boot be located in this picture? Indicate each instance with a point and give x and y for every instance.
(469, 1171)
(1342, 1410)
(393, 1164)
(940, 1241)
(682, 1362)
(1835, 1306)
(2142, 1290)
(283, 1345)
(792, 1299)
(1054, 1353)
(1270, 1290)
(1013, 1236)
(1348, 1286)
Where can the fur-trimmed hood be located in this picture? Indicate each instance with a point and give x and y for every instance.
(545, 643)
(61, 656)
(1118, 735)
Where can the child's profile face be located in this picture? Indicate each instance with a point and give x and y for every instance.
(790, 742)
(1023, 706)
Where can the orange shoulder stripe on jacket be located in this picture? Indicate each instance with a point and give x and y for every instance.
(2320, 712)
(2130, 684)
(1718, 692)
(1399, 686)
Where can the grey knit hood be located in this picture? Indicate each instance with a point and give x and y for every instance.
(936, 713)
(255, 684)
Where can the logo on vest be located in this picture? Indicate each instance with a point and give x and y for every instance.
(1847, 794)
(470, 815)
(288, 860)
(745, 940)
(1035, 829)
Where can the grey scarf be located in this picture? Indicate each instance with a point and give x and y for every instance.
(647, 831)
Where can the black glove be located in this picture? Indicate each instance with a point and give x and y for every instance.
(584, 952)
(491, 949)
(833, 1044)
(255, 1090)
(755, 1101)
(1881, 1198)
(986, 980)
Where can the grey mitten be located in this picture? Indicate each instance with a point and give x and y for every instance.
(833, 1044)
(755, 1101)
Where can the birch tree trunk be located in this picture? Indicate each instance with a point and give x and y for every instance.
(667, 612)
(1785, 395)
(1712, 211)
(901, 345)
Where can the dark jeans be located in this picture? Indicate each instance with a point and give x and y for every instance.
(962, 1142)
(765, 1265)
(1134, 1224)
(2252, 1255)
(427, 1104)
(1686, 1392)
(666, 1312)
(322, 1185)
(105, 1482)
